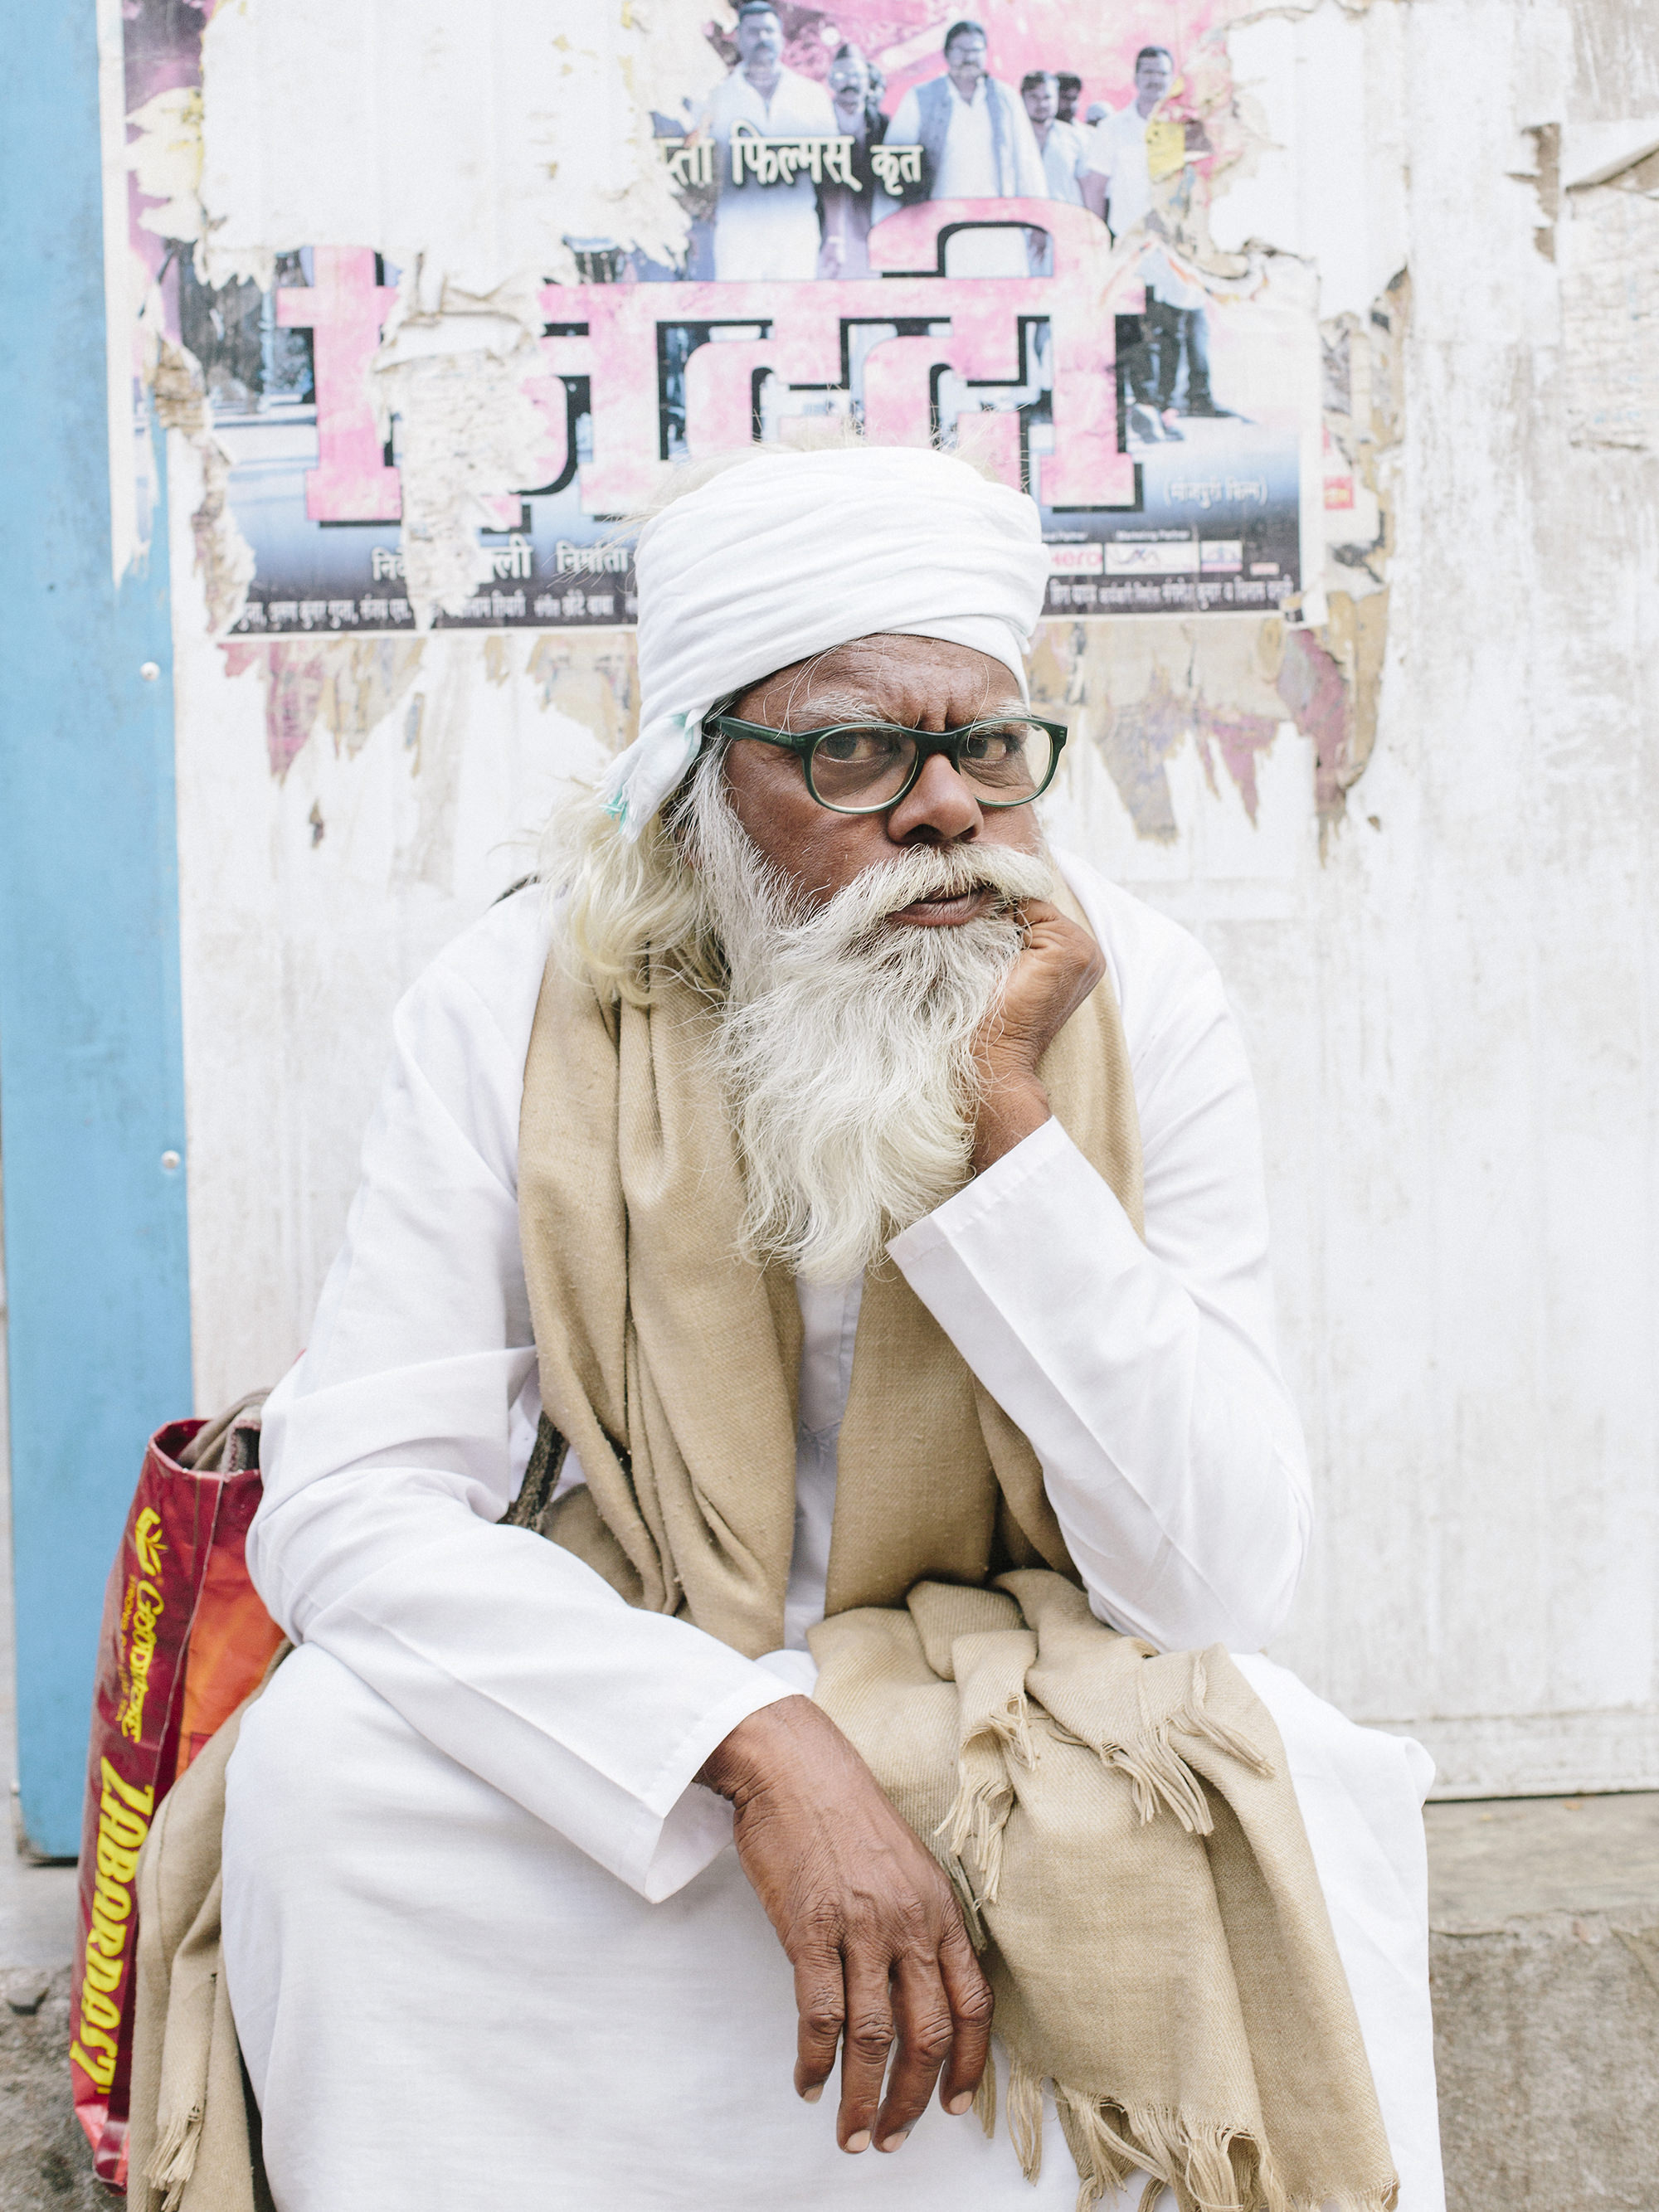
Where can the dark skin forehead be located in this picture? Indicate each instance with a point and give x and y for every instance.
(917, 683)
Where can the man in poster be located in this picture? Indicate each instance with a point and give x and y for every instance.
(1131, 152)
(764, 232)
(848, 211)
(1064, 155)
(976, 145)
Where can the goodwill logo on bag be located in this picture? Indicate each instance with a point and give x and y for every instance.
(143, 1607)
(147, 1540)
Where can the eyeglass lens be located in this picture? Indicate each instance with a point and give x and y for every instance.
(859, 769)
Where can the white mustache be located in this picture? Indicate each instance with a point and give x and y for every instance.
(920, 871)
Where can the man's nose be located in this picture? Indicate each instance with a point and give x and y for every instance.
(938, 808)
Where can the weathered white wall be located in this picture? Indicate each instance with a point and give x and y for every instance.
(1447, 992)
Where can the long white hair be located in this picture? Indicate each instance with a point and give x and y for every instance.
(618, 900)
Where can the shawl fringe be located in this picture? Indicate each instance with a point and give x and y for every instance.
(1204, 2166)
(985, 1796)
(173, 2159)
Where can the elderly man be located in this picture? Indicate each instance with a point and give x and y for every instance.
(976, 143)
(839, 1226)
(765, 231)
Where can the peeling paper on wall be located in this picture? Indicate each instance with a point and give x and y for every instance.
(475, 197)
(507, 155)
(1610, 260)
(475, 220)
(1140, 689)
(351, 685)
(591, 677)
(1331, 676)
(464, 378)
(479, 220)
(165, 158)
(1146, 686)
(224, 559)
(163, 154)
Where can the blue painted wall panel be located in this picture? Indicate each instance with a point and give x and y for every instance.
(91, 1070)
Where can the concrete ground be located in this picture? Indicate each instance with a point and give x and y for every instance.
(43, 2162)
(1544, 1957)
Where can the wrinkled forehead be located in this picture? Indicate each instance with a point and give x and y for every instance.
(916, 682)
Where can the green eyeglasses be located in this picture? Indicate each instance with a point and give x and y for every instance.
(864, 768)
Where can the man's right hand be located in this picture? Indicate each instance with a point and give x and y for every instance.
(870, 1923)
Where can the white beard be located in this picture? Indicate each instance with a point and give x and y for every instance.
(846, 1045)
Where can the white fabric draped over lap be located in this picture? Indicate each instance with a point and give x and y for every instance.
(785, 555)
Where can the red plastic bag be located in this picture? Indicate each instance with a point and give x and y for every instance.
(185, 1639)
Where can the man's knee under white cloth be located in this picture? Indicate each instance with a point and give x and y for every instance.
(435, 1992)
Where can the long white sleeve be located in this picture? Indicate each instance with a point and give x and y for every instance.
(1144, 1375)
(387, 1466)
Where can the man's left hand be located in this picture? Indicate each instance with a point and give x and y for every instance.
(1060, 964)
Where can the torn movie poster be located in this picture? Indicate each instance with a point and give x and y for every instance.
(990, 233)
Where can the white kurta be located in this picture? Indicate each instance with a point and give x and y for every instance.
(481, 1925)
(766, 233)
(1065, 162)
(1117, 151)
(967, 171)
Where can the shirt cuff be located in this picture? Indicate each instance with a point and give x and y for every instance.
(977, 1204)
(698, 1826)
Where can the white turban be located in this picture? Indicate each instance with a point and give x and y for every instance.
(793, 553)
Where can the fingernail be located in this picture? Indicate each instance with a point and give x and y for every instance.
(896, 2143)
(960, 2104)
(860, 2140)
(811, 2096)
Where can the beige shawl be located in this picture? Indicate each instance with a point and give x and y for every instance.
(1119, 1824)
(193, 2141)
(671, 1365)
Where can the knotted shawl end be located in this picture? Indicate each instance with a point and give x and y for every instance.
(173, 2159)
(1158, 1774)
(1104, 2160)
(985, 2097)
(1024, 2107)
(985, 1796)
(1195, 1718)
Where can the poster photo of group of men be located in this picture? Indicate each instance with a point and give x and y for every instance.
(989, 232)
(961, 134)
